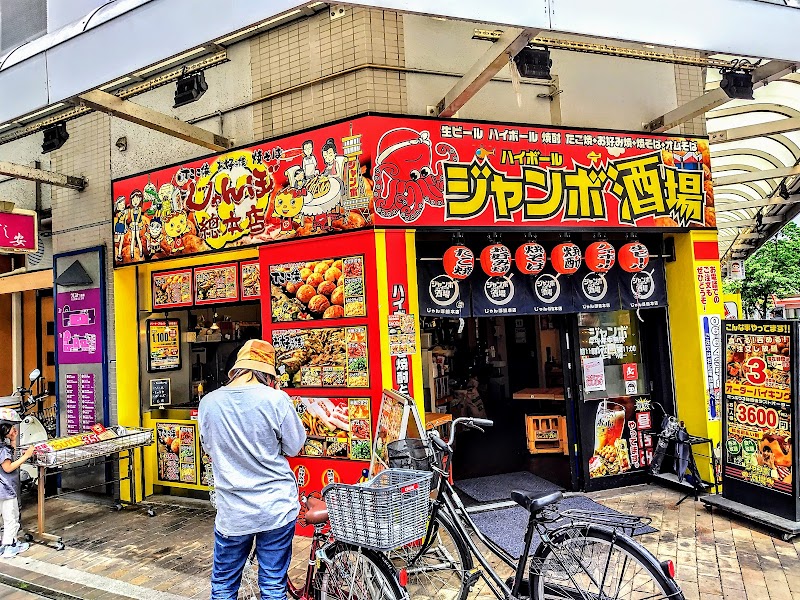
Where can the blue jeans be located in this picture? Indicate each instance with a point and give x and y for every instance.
(274, 552)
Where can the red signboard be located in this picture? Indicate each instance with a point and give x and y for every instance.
(413, 172)
(18, 231)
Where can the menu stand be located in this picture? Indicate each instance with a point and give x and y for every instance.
(110, 451)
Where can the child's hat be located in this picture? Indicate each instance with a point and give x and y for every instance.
(9, 415)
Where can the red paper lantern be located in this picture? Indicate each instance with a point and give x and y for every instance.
(459, 261)
(531, 258)
(496, 260)
(566, 258)
(633, 257)
(600, 257)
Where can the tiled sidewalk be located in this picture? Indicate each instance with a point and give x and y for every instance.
(114, 555)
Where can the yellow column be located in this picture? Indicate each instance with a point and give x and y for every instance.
(126, 331)
(694, 253)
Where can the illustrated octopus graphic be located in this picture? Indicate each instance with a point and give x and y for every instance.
(405, 178)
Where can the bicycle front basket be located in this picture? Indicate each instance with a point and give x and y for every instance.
(388, 511)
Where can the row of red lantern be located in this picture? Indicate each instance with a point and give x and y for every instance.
(531, 258)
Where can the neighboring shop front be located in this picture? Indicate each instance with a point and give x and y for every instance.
(524, 273)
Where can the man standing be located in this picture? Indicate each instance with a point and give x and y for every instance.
(248, 428)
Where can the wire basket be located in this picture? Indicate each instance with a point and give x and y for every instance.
(388, 511)
(127, 438)
(418, 455)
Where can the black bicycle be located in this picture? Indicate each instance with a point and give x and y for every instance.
(581, 555)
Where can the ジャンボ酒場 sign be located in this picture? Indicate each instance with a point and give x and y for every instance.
(412, 172)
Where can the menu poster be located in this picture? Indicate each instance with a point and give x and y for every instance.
(80, 401)
(177, 459)
(623, 440)
(79, 327)
(250, 273)
(402, 334)
(163, 345)
(594, 375)
(391, 422)
(172, 289)
(322, 357)
(758, 404)
(440, 294)
(336, 427)
(215, 284)
(321, 289)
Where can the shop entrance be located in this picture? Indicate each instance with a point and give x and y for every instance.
(510, 370)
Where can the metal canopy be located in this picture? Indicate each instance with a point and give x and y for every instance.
(755, 160)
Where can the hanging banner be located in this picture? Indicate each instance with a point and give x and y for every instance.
(439, 294)
(501, 296)
(645, 289)
(399, 171)
(596, 292)
(551, 292)
(757, 432)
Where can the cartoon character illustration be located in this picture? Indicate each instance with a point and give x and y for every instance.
(175, 228)
(151, 196)
(310, 168)
(165, 194)
(288, 206)
(334, 163)
(154, 236)
(297, 178)
(120, 224)
(136, 223)
(405, 178)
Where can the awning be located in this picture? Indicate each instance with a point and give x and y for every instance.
(37, 280)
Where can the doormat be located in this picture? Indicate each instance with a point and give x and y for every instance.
(506, 527)
(495, 488)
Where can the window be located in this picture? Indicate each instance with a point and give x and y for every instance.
(21, 21)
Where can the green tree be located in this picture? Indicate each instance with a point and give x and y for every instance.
(772, 269)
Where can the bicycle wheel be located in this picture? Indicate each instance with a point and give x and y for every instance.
(357, 574)
(597, 562)
(439, 570)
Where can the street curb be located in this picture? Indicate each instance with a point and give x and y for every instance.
(35, 589)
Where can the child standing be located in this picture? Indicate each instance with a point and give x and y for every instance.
(9, 482)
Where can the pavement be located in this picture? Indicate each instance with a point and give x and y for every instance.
(113, 555)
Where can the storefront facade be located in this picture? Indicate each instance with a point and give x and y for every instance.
(348, 246)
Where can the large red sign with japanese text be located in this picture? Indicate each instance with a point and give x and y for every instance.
(413, 172)
(18, 231)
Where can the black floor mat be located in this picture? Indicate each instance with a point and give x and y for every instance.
(496, 488)
(506, 527)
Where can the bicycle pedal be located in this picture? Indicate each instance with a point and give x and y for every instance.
(472, 578)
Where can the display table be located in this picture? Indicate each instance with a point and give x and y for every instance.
(539, 394)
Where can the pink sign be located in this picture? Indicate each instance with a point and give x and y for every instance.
(79, 327)
(18, 231)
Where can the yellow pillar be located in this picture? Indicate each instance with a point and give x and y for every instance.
(126, 331)
(695, 289)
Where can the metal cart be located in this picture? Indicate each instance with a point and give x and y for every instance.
(99, 453)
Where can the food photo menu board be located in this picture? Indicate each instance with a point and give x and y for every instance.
(336, 427)
(177, 452)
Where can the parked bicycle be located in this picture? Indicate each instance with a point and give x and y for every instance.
(581, 555)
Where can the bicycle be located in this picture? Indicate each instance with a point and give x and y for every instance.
(581, 555)
(345, 561)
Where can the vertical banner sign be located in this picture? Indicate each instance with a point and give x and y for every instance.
(711, 330)
(757, 434)
(397, 279)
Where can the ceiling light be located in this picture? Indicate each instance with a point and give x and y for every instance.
(737, 84)
(190, 88)
(54, 137)
(533, 63)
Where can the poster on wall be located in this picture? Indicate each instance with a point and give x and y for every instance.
(758, 407)
(79, 327)
(336, 427)
(250, 273)
(176, 451)
(402, 334)
(322, 357)
(172, 289)
(325, 289)
(711, 333)
(217, 283)
(622, 437)
(163, 345)
(400, 171)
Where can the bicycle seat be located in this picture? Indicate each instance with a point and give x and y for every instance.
(535, 501)
(317, 511)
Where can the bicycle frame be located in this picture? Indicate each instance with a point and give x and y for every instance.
(306, 591)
